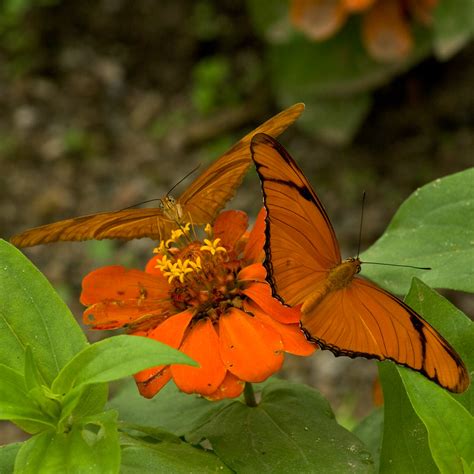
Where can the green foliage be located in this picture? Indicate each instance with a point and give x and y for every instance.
(18, 38)
(53, 384)
(212, 84)
(438, 425)
(337, 73)
(434, 228)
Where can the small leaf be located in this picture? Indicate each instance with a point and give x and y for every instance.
(292, 430)
(434, 227)
(91, 445)
(32, 313)
(15, 402)
(114, 358)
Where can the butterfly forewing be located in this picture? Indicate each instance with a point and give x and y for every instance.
(201, 202)
(297, 224)
(213, 188)
(340, 311)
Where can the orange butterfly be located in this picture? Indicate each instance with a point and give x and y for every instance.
(199, 204)
(340, 311)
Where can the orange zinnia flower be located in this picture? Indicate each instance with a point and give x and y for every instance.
(207, 298)
(386, 29)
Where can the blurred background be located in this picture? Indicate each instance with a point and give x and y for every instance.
(107, 103)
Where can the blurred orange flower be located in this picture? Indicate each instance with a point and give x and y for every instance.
(207, 297)
(386, 31)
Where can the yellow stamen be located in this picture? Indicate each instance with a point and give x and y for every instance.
(212, 246)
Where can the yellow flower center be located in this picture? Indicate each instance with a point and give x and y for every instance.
(202, 274)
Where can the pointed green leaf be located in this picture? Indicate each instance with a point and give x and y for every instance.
(32, 313)
(16, 403)
(91, 445)
(291, 430)
(434, 228)
(114, 358)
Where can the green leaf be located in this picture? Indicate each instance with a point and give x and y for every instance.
(114, 358)
(32, 313)
(8, 454)
(449, 424)
(165, 409)
(91, 445)
(370, 431)
(177, 458)
(451, 323)
(292, 430)
(453, 26)
(15, 402)
(405, 440)
(434, 227)
(408, 443)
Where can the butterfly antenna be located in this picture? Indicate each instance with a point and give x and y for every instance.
(396, 265)
(167, 194)
(361, 222)
(182, 179)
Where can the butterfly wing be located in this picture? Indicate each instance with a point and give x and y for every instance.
(125, 224)
(364, 320)
(301, 245)
(208, 194)
(200, 202)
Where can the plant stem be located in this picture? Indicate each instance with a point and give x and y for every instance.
(249, 395)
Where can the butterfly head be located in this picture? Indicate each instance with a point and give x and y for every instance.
(171, 208)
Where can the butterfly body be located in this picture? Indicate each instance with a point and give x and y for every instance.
(340, 311)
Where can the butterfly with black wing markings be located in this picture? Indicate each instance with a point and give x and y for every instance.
(340, 311)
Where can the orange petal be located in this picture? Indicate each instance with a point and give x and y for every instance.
(386, 33)
(231, 387)
(230, 226)
(254, 272)
(202, 345)
(319, 19)
(119, 283)
(357, 5)
(151, 265)
(261, 294)
(126, 313)
(170, 332)
(291, 335)
(149, 383)
(254, 249)
(250, 350)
